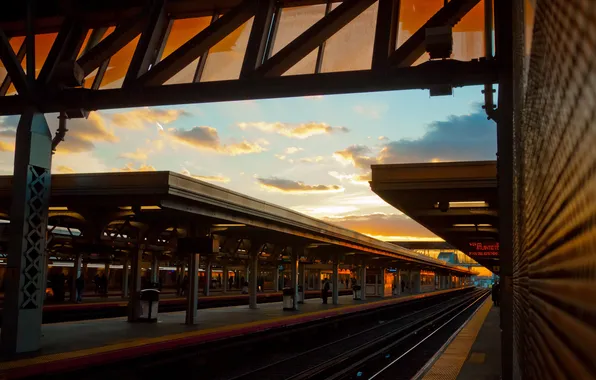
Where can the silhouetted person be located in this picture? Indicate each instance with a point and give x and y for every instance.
(496, 293)
(325, 292)
(403, 286)
(104, 284)
(231, 282)
(80, 285)
(184, 287)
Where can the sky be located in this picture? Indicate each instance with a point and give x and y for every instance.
(310, 154)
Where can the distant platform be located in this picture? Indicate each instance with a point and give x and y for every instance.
(475, 352)
(74, 345)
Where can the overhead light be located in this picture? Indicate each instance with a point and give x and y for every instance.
(468, 204)
(125, 207)
(229, 225)
(144, 208)
(58, 208)
(464, 225)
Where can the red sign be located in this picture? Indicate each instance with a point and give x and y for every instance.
(484, 249)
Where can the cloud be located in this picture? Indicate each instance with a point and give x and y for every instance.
(283, 158)
(293, 149)
(295, 187)
(314, 97)
(357, 155)
(130, 168)
(83, 133)
(64, 169)
(142, 117)
(6, 146)
(84, 162)
(138, 155)
(208, 178)
(383, 138)
(397, 226)
(299, 131)
(459, 138)
(312, 160)
(371, 111)
(207, 138)
(356, 179)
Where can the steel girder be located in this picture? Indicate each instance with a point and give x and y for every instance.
(261, 74)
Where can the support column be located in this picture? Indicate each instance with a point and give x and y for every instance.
(302, 280)
(154, 268)
(225, 278)
(192, 300)
(106, 271)
(335, 293)
(416, 282)
(252, 283)
(294, 273)
(363, 280)
(276, 278)
(398, 283)
(125, 277)
(382, 271)
(207, 287)
(76, 272)
(134, 305)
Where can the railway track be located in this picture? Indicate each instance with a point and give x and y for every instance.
(377, 352)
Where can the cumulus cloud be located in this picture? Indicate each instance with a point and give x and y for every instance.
(131, 168)
(142, 117)
(208, 178)
(84, 133)
(299, 131)
(207, 138)
(64, 169)
(383, 225)
(138, 155)
(293, 149)
(6, 146)
(383, 138)
(295, 187)
(459, 138)
(357, 155)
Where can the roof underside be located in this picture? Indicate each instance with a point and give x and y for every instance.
(457, 201)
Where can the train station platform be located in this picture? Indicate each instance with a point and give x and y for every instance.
(474, 353)
(72, 345)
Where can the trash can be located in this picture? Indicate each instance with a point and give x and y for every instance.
(300, 294)
(288, 298)
(149, 304)
(357, 292)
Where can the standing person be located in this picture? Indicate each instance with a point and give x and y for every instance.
(403, 286)
(325, 292)
(231, 282)
(184, 288)
(496, 293)
(80, 285)
(104, 284)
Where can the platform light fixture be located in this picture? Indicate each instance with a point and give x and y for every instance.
(472, 225)
(468, 204)
(58, 208)
(147, 208)
(229, 225)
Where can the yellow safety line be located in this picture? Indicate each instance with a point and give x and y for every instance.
(144, 341)
(449, 365)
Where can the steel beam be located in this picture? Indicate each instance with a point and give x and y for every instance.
(13, 66)
(110, 45)
(423, 76)
(199, 44)
(148, 47)
(312, 38)
(385, 32)
(259, 34)
(414, 46)
(7, 81)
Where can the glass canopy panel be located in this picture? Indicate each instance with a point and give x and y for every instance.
(182, 31)
(468, 35)
(293, 22)
(88, 82)
(116, 71)
(351, 47)
(15, 44)
(224, 60)
(43, 44)
(412, 15)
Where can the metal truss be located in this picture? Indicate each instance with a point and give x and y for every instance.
(81, 48)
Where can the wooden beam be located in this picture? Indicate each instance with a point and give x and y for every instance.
(198, 45)
(385, 32)
(13, 66)
(7, 81)
(415, 46)
(149, 43)
(257, 42)
(110, 45)
(312, 38)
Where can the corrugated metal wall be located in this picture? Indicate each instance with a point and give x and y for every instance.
(554, 261)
